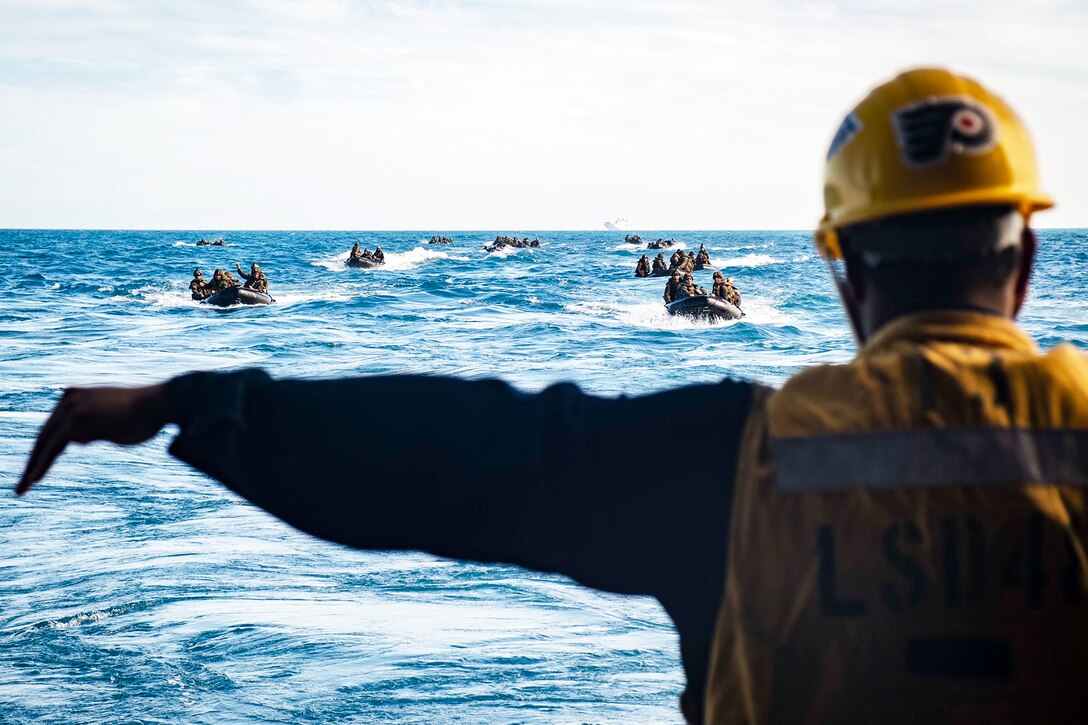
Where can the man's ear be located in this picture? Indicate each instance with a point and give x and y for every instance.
(855, 284)
(1028, 245)
(852, 289)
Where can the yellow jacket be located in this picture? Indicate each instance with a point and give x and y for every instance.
(908, 536)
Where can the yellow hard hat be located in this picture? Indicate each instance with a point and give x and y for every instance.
(928, 139)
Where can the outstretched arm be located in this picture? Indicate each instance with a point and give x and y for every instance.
(83, 415)
(557, 481)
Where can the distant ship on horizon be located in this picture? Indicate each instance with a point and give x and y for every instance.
(619, 225)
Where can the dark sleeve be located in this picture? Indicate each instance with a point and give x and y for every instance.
(557, 481)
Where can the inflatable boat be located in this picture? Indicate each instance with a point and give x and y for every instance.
(699, 267)
(704, 306)
(499, 246)
(363, 262)
(237, 295)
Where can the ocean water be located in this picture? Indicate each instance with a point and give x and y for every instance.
(136, 590)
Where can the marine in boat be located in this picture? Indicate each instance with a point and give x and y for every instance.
(683, 297)
(255, 280)
(725, 289)
(364, 257)
(198, 285)
(223, 290)
(702, 259)
(682, 261)
(660, 268)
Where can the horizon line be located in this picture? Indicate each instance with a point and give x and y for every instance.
(433, 229)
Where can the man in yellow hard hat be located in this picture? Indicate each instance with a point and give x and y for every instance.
(909, 528)
(897, 539)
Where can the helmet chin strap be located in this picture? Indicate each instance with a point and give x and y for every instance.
(837, 268)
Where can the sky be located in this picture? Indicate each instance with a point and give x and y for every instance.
(500, 115)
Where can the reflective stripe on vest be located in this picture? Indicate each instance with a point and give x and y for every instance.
(932, 457)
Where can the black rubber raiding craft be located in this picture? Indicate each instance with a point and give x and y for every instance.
(237, 295)
(363, 262)
(704, 307)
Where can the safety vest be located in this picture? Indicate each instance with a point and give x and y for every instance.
(908, 536)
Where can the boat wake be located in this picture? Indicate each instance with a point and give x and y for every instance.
(758, 260)
(394, 261)
(159, 296)
(643, 314)
(411, 259)
(748, 260)
(328, 294)
(176, 296)
(509, 251)
(333, 263)
(757, 310)
(643, 248)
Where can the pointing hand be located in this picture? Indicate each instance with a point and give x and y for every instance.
(83, 415)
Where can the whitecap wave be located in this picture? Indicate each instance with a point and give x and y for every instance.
(328, 294)
(159, 296)
(412, 258)
(507, 251)
(742, 247)
(762, 310)
(333, 263)
(760, 260)
(749, 260)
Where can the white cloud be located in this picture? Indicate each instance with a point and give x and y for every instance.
(520, 115)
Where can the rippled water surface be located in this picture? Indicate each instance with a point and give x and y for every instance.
(135, 589)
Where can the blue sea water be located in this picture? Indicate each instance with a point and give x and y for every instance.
(136, 590)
